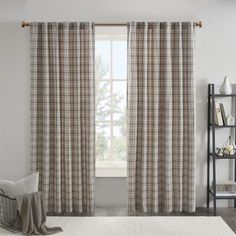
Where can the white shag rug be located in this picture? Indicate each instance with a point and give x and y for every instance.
(139, 226)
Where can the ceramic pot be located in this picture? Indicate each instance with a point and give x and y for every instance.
(226, 88)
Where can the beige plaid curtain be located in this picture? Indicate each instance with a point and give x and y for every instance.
(161, 117)
(62, 114)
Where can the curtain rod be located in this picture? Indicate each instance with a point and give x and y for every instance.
(25, 24)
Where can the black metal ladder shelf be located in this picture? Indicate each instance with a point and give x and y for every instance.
(212, 157)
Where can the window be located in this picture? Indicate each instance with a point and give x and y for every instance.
(111, 79)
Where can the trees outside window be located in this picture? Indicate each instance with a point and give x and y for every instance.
(110, 71)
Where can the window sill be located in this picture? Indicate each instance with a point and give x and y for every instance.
(111, 171)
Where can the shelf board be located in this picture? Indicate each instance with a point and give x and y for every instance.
(224, 126)
(223, 95)
(223, 157)
(224, 194)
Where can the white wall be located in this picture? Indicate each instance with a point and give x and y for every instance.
(215, 57)
(14, 101)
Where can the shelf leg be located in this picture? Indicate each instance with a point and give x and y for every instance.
(234, 179)
(213, 148)
(208, 181)
(214, 184)
(208, 146)
(234, 100)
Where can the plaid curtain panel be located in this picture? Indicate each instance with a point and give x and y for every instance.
(62, 114)
(161, 117)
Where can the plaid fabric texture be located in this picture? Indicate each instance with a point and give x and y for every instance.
(161, 117)
(62, 114)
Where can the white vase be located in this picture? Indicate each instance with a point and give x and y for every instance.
(230, 120)
(226, 88)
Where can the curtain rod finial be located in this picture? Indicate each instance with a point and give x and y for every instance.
(25, 24)
(199, 24)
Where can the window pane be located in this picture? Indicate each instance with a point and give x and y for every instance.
(103, 100)
(119, 100)
(119, 59)
(103, 141)
(111, 57)
(103, 58)
(119, 143)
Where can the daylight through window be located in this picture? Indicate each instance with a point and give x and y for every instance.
(111, 80)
